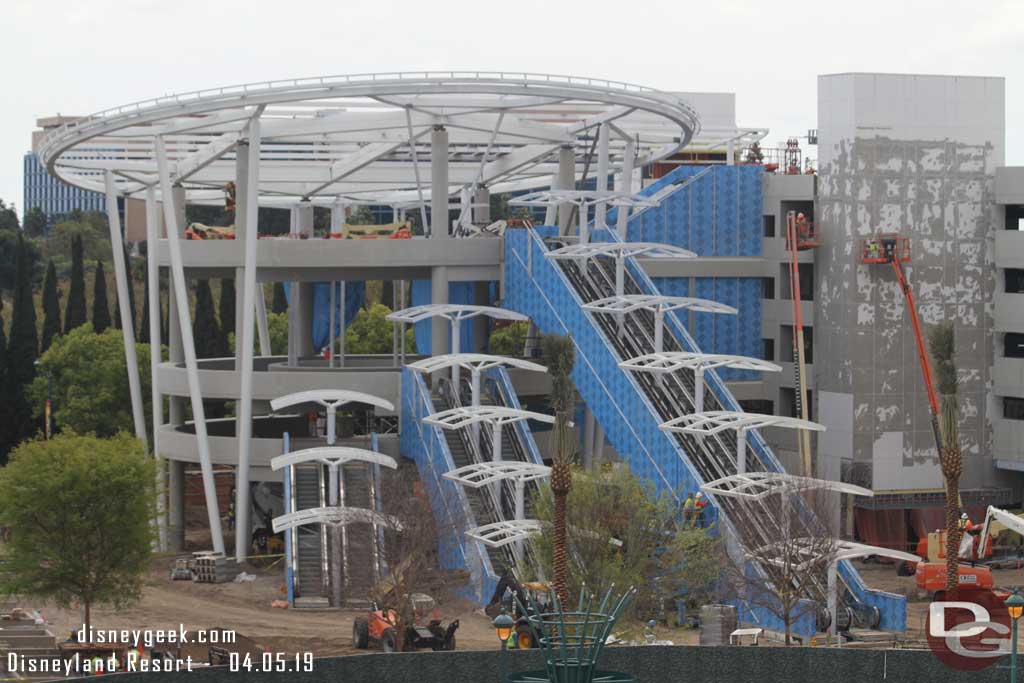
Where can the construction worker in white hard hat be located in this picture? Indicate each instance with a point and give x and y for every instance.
(700, 504)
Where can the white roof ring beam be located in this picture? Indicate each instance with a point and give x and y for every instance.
(472, 361)
(476, 475)
(656, 302)
(501, 534)
(619, 250)
(334, 456)
(322, 134)
(758, 485)
(334, 516)
(330, 396)
(715, 421)
(453, 312)
(680, 360)
(464, 416)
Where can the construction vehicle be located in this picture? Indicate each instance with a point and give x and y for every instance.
(380, 627)
(509, 594)
(800, 236)
(931, 575)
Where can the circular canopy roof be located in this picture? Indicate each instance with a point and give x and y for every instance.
(358, 137)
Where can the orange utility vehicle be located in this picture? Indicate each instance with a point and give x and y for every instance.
(380, 627)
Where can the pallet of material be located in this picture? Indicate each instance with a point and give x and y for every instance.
(214, 568)
(182, 569)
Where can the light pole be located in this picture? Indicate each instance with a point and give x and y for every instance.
(1015, 606)
(503, 625)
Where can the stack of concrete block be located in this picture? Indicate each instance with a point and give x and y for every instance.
(209, 567)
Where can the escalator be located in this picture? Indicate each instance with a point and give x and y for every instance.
(558, 291)
(310, 541)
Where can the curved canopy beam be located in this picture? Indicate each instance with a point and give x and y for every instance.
(334, 516)
(628, 303)
(584, 198)
(476, 475)
(758, 485)
(332, 456)
(501, 534)
(715, 421)
(679, 360)
(327, 397)
(812, 548)
(472, 361)
(453, 312)
(464, 416)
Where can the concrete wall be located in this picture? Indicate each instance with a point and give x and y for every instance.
(914, 155)
(647, 664)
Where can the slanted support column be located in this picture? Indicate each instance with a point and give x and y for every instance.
(832, 570)
(439, 183)
(520, 513)
(659, 331)
(188, 342)
(155, 322)
(602, 175)
(247, 340)
(566, 181)
(124, 306)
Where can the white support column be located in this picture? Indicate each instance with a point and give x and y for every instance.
(741, 451)
(439, 183)
(520, 513)
(330, 324)
(566, 181)
(698, 389)
(241, 223)
(602, 175)
(343, 324)
(659, 331)
(124, 306)
(438, 325)
(496, 441)
(188, 344)
(832, 570)
(551, 213)
(247, 342)
(584, 229)
(261, 320)
(474, 400)
(622, 221)
(620, 275)
(155, 316)
(456, 328)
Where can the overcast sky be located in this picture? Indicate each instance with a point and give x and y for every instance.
(83, 56)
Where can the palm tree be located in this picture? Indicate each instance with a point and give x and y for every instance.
(942, 344)
(560, 354)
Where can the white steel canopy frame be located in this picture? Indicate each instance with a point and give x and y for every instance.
(600, 199)
(664, 363)
(334, 516)
(620, 251)
(658, 304)
(758, 485)
(501, 534)
(359, 136)
(455, 314)
(715, 421)
(496, 416)
(332, 456)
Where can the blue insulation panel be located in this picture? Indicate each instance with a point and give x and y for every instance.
(458, 293)
(355, 296)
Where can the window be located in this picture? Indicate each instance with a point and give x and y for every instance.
(1015, 216)
(769, 226)
(768, 287)
(1013, 408)
(1013, 345)
(768, 349)
(1014, 280)
(761, 406)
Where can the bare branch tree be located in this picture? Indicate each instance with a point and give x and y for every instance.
(787, 574)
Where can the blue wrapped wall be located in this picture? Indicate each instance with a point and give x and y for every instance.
(715, 211)
(427, 447)
(458, 293)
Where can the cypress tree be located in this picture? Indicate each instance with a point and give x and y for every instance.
(206, 330)
(75, 314)
(100, 307)
(51, 307)
(280, 304)
(7, 438)
(226, 308)
(22, 351)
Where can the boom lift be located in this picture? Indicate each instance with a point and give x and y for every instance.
(800, 235)
(932, 575)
